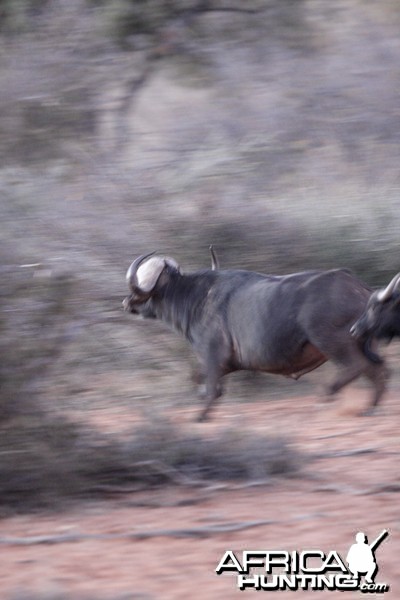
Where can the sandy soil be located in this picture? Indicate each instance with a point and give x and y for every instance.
(353, 485)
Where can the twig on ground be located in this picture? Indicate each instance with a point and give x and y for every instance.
(196, 532)
(344, 453)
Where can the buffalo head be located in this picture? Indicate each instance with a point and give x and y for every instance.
(381, 318)
(145, 277)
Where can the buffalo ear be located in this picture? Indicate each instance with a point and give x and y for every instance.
(166, 272)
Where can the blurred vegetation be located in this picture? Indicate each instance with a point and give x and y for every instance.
(47, 462)
(275, 244)
(240, 124)
(130, 17)
(17, 16)
(170, 22)
(33, 329)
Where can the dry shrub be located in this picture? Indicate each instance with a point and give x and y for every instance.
(17, 16)
(262, 242)
(33, 326)
(46, 462)
(231, 454)
(274, 243)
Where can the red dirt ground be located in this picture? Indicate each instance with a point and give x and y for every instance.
(354, 487)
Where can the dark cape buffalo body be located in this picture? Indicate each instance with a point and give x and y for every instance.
(237, 319)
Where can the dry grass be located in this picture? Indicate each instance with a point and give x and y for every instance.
(45, 463)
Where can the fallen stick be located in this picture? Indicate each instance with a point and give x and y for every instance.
(345, 453)
(196, 532)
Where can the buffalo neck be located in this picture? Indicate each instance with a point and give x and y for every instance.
(180, 301)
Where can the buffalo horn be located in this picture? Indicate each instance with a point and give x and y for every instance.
(214, 259)
(131, 276)
(148, 273)
(386, 293)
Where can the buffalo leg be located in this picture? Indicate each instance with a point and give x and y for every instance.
(213, 392)
(213, 377)
(199, 377)
(376, 373)
(345, 377)
(213, 360)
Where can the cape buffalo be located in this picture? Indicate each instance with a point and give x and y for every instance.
(237, 319)
(381, 317)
